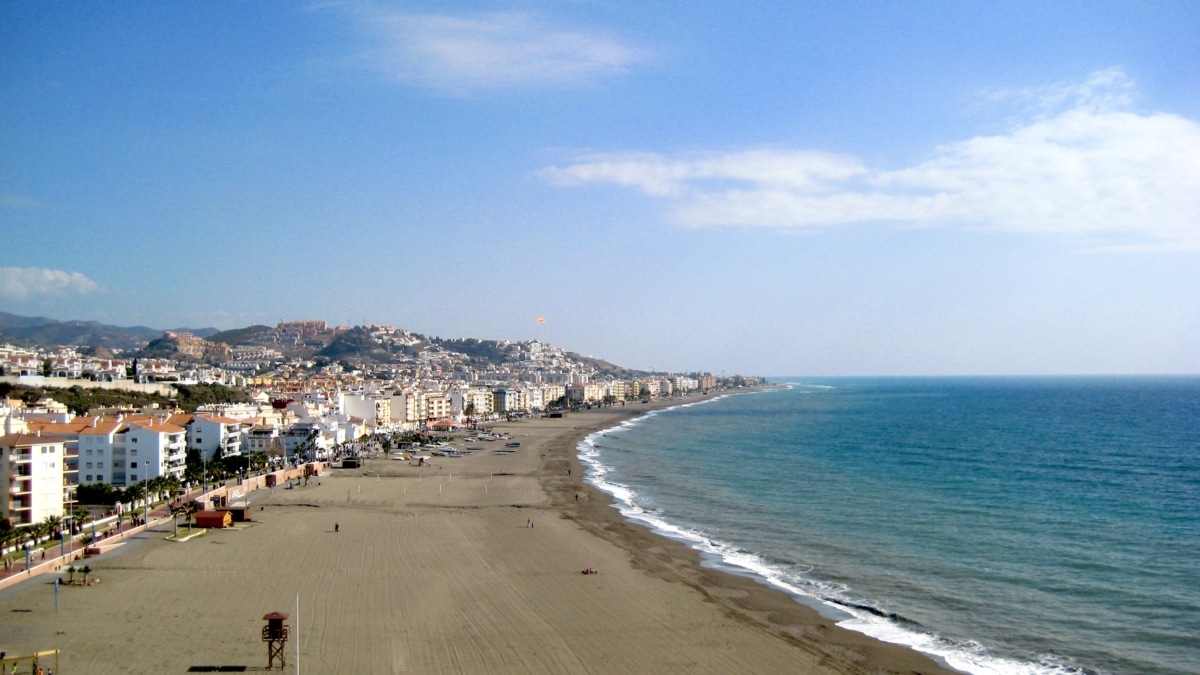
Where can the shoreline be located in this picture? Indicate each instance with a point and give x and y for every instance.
(745, 596)
(469, 565)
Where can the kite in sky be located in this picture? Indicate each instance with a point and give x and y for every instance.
(539, 319)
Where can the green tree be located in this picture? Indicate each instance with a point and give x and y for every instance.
(194, 466)
(259, 460)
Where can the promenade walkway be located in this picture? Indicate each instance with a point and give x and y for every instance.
(57, 558)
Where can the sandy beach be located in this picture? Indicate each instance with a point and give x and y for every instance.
(436, 570)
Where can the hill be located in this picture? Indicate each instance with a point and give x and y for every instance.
(356, 345)
(250, 335)
(45, 332)
(490, 351)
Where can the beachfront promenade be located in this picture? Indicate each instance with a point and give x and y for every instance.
(398, 568)
(108, 533)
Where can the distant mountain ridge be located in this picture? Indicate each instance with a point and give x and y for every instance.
(43, 331)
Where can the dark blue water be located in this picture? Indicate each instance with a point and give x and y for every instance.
(1008, 525)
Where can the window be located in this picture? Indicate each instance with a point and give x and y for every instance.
(135, 439)
(89, 451)
(89, 465)
(133, 465)
(99, 465)
(133, 452)
(133, 477)
(88, 478)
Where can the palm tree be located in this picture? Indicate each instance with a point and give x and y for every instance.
(71, 571)
(176, 511)
(190, 510)
(154, 488)
(135, 493)
(33, 533)
(187, 510)
(87, 569)
(52, 525)
(171, 483)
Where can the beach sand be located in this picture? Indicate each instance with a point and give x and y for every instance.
(434, 570)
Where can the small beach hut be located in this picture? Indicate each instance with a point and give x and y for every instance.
(216, 519)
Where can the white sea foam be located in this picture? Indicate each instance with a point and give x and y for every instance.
(969, 657)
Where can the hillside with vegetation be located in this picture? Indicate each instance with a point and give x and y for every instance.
(79, 400)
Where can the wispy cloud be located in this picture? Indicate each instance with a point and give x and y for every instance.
(466, 53)
(19, 283)
(1091, 168)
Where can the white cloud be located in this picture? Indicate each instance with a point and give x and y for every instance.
(19, 283)
(1091, 170)
(464, 54)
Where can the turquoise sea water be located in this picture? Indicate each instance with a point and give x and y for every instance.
(1007, 525)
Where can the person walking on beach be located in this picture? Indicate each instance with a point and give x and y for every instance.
(337, 527)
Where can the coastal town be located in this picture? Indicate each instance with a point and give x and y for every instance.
(63, 467)
(197, 492)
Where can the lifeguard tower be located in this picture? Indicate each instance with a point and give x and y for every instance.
(275, 634)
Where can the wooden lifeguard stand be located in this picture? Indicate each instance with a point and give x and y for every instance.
(275, 634)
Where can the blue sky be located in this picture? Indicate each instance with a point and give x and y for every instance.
(770, 188)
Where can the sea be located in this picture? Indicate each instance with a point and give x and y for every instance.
(1000, 524)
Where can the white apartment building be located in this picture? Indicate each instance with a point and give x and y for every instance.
(213, 435)
(366, 406)
(31, 475)
(534, 395)
(476, 399)
(123, 453)
(407, 409)
(683, 384)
